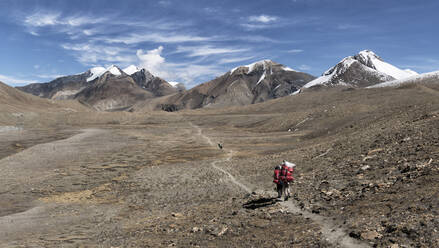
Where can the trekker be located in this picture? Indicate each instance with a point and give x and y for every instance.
(277, 181)
(285, 178)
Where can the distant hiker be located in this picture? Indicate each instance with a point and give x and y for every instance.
(283, 174)
(220, 146)
(277, 181)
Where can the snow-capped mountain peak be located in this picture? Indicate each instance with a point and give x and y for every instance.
(364, 69)
(373, 61)
(253, 65)
(367, 55)
(130, 70)
(114, 70)
(99, 71)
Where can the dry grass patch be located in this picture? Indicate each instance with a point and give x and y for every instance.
(88, 196)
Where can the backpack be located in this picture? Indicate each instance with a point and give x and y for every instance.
(276, 176)
(287, 173)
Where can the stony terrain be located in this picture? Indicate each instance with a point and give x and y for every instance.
(367, 174)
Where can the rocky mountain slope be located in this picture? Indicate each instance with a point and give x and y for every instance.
(361, 70)
(257, 82)
(11, 98)
(111, 93)
(17, 107)
(105, 88)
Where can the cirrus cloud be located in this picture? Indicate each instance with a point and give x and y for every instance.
(263, 18)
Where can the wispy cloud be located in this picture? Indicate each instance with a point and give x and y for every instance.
(153, 37)
(14, 81)
(207, 50)
(42, 19)
(254, 38)
(92, 54)
(49, 76)
(164, 3)
(263, 18)
(347, 26)
(295, 51)
(234, 60)
(260, 22)
(304, 67)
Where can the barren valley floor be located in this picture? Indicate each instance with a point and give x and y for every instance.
(159, 180)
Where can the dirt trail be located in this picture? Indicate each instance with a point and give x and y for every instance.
(232, 178)
(334, 234)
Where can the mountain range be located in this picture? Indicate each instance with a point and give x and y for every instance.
(105, 88)
(249, 84)
(133, 88)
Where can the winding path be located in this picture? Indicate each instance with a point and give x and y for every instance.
(333, 234)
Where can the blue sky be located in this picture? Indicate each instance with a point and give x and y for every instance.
(193, 41)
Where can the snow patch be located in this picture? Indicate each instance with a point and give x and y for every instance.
(412, 79)
(295, 92)
(95, 73)
(285, 68)
(261, 78)
(114, 70)
(99, 71)
(277, 87)
(411, 72)
(233, 70)
(252, 66)
(374, 61)
(174, 84)
(389, 69)
(130, 70)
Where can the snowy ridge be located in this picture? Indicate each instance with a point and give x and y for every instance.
(95, 72)
(252, 66)
(369, 62)
(375, 62)
(99, 71)
(412, 79)
(130, 70)
(330, 74)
